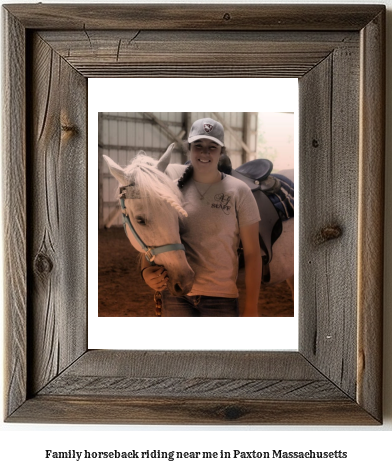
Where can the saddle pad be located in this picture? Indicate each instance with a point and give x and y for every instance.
(283, 199)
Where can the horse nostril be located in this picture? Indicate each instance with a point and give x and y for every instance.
(177, 288)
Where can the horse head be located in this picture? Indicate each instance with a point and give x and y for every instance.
(152, 203)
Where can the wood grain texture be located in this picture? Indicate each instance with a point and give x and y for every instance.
(203, 388)
(57, 215)
(371, 216)
(193, 53)
(155, 411)
(14, 212)
(206, 374)
(192, 387)
(207, 364)
(329, 199)
(192, 17)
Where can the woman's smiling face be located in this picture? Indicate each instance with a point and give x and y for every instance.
(205, 154)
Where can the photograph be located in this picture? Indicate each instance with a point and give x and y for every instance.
(211, 196)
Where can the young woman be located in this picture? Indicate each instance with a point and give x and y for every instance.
(221, 212)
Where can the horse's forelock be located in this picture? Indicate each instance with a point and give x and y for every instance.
(153, 183)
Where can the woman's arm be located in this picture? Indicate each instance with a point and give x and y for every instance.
(250, 242)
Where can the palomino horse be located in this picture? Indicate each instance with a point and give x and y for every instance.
(153, 203)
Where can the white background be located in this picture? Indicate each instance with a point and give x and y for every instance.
(23, 446)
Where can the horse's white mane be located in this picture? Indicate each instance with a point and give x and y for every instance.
(153, 183)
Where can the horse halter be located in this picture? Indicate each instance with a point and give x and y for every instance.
(149, 252)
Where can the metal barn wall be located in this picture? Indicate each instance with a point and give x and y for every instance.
(122, 135)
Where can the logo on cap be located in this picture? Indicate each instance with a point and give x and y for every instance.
(208, 127)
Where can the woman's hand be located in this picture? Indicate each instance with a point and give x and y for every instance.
(156, 277)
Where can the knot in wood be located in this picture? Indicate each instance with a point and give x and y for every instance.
(328, 233)
(315, 143)
(43, 264)
(232, 413)
(227, 16)
(68, 128)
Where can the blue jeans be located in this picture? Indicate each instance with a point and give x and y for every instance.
(198, 306)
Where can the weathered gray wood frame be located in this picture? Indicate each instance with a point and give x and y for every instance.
(337, 52)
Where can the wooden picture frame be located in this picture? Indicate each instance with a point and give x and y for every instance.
(338, 54)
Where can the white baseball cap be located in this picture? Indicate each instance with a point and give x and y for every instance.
(207, 128)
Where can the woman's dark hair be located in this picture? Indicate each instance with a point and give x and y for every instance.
(185, 177)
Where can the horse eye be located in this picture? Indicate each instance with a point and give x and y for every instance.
(141, 220)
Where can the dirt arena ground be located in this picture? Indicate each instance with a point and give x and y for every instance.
(122, 293)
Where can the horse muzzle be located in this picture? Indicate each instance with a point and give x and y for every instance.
(181, 285)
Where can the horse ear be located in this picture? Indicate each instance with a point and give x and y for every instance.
(116, 170)
(164, 160)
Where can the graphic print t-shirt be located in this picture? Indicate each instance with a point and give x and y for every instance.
(211, 232)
